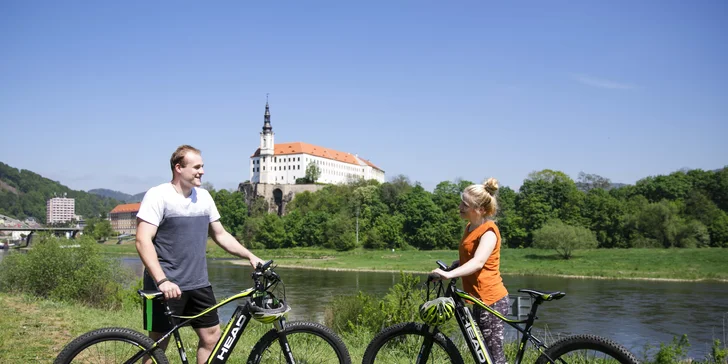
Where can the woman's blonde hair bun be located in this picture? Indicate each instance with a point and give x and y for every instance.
(491, 185)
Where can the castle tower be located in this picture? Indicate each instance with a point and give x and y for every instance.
(267, 144)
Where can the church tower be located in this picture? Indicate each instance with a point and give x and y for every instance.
(267, 145)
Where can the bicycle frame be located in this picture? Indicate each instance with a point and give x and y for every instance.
(230, 335)
(472, 334)
(471, 331)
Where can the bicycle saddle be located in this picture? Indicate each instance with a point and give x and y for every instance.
(544, 295)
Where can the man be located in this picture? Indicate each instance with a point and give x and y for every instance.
(173, 223)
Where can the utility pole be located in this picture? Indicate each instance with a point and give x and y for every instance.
(357, 225)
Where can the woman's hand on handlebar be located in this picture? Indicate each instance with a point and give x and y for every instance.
(439, 274)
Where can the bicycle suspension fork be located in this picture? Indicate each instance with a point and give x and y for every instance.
(280, 327)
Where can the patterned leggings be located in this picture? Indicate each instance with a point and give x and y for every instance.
(492, 328)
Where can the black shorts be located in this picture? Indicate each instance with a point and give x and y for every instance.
(189, 304)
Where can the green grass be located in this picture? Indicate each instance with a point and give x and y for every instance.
(36, 330)
(679, 264)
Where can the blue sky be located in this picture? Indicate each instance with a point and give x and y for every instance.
(99, 94)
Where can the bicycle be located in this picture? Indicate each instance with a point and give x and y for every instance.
(414, 342)
(298, 342)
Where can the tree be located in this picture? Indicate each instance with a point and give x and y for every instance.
(340, 233)
(271, 232)
(587, 182)
(605, 215)
(99, 229)
(313, 172)
(510, 223)
(563, 238)
(391, 191)
(386, 232)
(423, 220)
(233, 211)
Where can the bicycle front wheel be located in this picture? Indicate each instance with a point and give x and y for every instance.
(410, 343)
(109, 345)
(580, 349)
(309, 342)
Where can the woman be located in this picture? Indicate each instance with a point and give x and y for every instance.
(480, 262)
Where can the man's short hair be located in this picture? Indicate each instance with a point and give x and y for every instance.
(178, 157)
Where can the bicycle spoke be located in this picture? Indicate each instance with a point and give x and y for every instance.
(306, 348)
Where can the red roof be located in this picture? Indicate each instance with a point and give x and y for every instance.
(128, 207)
(300, 147)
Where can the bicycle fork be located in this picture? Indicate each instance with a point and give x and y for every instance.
(280, 327)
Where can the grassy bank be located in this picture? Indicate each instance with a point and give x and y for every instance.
(673, 264)
(36, 330)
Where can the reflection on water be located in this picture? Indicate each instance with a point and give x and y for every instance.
(631, 312)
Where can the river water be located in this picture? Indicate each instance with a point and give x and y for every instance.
(634, 313)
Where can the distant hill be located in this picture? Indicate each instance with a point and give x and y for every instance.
(121, 196)
(24, 194)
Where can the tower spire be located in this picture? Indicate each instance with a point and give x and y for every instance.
(267, 128)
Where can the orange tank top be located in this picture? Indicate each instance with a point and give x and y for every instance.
(486, 283)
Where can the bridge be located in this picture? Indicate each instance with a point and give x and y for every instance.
(73, 232)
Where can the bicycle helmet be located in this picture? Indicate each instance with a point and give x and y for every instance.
(267, 309)
(437, 311)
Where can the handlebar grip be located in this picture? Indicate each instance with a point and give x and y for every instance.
(431, 277)
(265, 265)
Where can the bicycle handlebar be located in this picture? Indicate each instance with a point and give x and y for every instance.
(263, 270)
(443, 266)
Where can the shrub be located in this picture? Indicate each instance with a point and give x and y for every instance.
(365, 313)
(67, 270)
(718, 353)
(563, 238)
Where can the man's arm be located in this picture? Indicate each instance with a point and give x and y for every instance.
(144, 235)
(230, 244)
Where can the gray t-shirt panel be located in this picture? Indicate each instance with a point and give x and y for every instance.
(180, 244)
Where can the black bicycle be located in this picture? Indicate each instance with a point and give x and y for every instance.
(424, 343)
(288, 342)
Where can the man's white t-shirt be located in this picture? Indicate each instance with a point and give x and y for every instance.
(182, 230)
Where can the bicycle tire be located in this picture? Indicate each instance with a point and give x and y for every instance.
(570, 344)
(269, 343)
(410, 328)
(70, 353)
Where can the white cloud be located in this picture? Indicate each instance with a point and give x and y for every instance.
(601, 83)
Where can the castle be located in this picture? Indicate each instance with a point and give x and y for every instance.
(274, 168)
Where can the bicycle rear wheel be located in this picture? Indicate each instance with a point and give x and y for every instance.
(403, 343)
(309, 342)
(109, 345)
(580, 349)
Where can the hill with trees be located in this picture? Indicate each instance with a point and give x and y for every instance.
(24, 194)
(116, 195)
